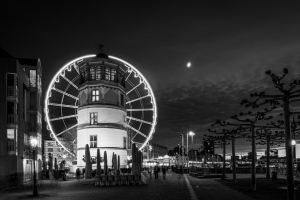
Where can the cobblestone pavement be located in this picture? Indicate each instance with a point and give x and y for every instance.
(174, 187)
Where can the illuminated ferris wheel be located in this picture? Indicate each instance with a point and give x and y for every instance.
(61, 104)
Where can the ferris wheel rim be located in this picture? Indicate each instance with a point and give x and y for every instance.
(151, 95)
(49, 127)
(128, 65)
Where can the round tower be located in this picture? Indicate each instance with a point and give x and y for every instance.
(101, 109)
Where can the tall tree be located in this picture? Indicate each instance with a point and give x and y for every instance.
(286, 94)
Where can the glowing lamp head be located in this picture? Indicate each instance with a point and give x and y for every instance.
(191, 133)
(33, 142)
(188, 65)
(293, 142)
(64, 156)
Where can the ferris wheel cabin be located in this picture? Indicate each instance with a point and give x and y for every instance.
(101, 109)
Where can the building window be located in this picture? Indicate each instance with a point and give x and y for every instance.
(26, 141)
(124, 142)
(93, 118)
(33, 100)
(95, 95)
(39, 119)
(11, 116)
(113, 74)
(92, 73)
(32, 78)
(93, 141)
(86, 74)
(82, 76)
(11, 134)
(12, 84)
(10, 145)
(107, 73)
(33, 122)
(50, 149)
(98, 73)
(39, 137)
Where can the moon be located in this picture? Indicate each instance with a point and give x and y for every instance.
(188, 65)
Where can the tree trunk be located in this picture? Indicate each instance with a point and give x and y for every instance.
(268, 157)
(233, 159)
(224, 163)
(253, 158)
(288, 148)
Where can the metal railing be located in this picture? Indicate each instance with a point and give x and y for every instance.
(12, 91)
(12, 118)
(10, 145)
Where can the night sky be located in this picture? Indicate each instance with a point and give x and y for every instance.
(230, 45)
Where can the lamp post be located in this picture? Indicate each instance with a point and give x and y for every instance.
(187, 149)
(192, 134)
(34, 142)
(182, 147)
(294, 149)
(294, 127)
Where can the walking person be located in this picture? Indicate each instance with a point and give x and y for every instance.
(77, 174)
(164, 170)
(155, 172)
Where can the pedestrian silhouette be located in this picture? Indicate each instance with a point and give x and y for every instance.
(164, 170)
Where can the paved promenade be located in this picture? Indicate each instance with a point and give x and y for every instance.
(174, 187)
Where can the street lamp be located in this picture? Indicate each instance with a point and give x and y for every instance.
(34, 142)
(294, 149)
(187, 144)
(182, 148)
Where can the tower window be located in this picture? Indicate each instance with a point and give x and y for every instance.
(124, 142)
(113, 74)
(93, 118)
(82, 76)
(122, 99)
(95, 95)
(86, 74)
(92, 73)
(93, 141)
(107, 73)
(98, 73)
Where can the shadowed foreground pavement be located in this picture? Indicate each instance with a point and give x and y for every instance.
(174, 187)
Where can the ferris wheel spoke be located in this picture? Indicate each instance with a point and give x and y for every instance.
(64, 117)
(137, 131)
(133, 138)
(145, 109)
(128, 76)
(66, 130)
(139, 120)
(65, 93)
(71, 83)
(138, 99)
(62, 105)
(76, 67)
(133, 88)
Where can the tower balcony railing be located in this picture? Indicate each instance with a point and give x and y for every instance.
(12, 119)
(12, 91)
